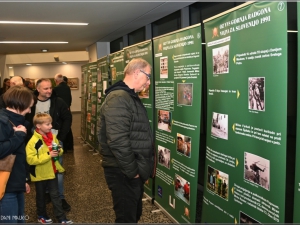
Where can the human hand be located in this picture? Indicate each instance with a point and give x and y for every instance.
(53, 154)
(20, 128)
(137, 176)
(27, 188)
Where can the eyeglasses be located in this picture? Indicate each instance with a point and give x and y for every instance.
(147, 74)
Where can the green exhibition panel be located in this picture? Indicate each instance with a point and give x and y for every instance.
(245, 168)
(116, 63)
(92, 105)
(144, 50)
(102, 85)
(84, 70)
(178, 77)
(297, 172)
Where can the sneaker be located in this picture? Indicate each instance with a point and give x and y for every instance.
(65, 205)
(44, 220)
(66, 221)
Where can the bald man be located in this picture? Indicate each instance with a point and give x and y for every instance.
(14, 81)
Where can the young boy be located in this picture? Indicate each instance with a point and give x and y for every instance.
(44, 166)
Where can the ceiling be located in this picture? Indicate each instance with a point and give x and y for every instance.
(107, 22)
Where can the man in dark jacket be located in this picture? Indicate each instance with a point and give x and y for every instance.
(61, 120)
(126, 142)
(63, 91)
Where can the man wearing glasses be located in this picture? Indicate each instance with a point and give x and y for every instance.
(126, 142)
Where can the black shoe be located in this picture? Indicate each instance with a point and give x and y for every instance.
(65, 205)
(47, 198)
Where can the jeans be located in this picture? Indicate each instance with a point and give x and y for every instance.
(127, 195)
(12, 208)
(60, 178)
(40, 188)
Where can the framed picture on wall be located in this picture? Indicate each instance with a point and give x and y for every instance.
(73, 83)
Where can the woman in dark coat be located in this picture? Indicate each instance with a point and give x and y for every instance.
(13, 131)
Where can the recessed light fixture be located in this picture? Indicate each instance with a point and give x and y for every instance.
(10, 67)
(44, 50)
(64, 63)
(28, 64)
(43, 23)
(34, 42)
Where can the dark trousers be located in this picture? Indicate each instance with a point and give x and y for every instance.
(69, 142)
(40, 188)
(127, 195)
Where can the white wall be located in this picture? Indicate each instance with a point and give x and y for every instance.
(48, 71)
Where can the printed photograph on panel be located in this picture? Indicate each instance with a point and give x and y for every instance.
(93, 110)
(164, 67)
(164, 120)
(94, 87)
(104, 86)
(220, 60)
(217, 182)
(184, 94)
(164, 156)
(257, 170)
(88, 117)
(113, 73)
(184, 145)
(219, 125)
(99, 97)
(182, 188)
(99, 75)
(244, 218)
(256, 93)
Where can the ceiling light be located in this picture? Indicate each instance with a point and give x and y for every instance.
(43, 23)
(64, 63)
(34, 42)
(44, 50)
(10, 67)
(28, 64)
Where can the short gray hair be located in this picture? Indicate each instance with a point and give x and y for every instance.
(134, 64)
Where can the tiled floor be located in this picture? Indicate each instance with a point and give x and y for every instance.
(86, 190)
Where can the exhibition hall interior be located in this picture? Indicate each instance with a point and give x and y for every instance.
(222, 102)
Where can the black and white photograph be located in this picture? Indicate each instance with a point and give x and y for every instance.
(164, 67)
(257, 170)
(256, 93)
(164, 156)
(182, 188)
(221, 60)
(164, 120)
(217, 182)
(244, 218)
(185, 94)
(184, 145)
(219, 125)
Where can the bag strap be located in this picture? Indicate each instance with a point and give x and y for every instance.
(12, 123)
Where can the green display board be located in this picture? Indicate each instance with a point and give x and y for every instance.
(84, 75)
(116, 63)
(92, 105)
(102, 85)
(177, 69)
(246, 55)
(297, 172)
(144, 50)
